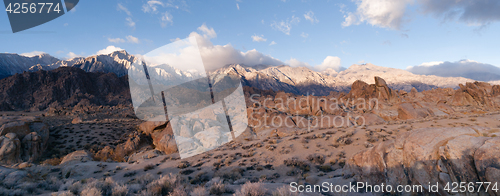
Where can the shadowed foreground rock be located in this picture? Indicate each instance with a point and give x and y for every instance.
(22, 139)
(435, 155)
(64, 87)
(161, 134)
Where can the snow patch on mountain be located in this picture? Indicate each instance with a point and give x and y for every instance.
(299, 80)
(398, 78)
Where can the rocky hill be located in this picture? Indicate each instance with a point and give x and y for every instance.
(65, 86)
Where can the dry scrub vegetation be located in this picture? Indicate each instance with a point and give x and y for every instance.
(145, 185)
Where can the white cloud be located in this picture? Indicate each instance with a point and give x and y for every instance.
(132, 39)
(257, 38)
(120, 7)
(108, 50)
(304, 35)
(296, 63)
(429, 64)
(157, 7)
(310, 16)
(472, 12)
(207, 32)
(383, 13)
(213, 56)
(166, 19)
(350, 19)
(392, 13)
(130, 22)
(216, 56)
(32, 54)
(151, 6)
(285, 26)
(342, 8)
(330, 62)
(272, 43)
(176, 39)
(129, 39)
(238, 6)
(73, 55)
(116, 40)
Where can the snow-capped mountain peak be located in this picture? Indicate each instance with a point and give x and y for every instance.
(299, 80)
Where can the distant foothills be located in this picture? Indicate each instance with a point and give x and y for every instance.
(297, 80)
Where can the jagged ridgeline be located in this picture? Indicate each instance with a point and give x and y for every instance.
(44, 81)
(65, 86)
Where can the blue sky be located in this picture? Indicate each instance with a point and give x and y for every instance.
(390, 33)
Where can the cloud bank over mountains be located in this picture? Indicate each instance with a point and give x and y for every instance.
(393, 14)
(216, 56)
(463, 68)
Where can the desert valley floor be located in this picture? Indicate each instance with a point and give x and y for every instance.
(414, 138)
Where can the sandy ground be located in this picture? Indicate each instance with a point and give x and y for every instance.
(264, 159)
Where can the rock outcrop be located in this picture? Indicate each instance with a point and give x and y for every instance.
(32, 147)
(76, 157)
(77, 120)
(408, 111)
(365, 104)
(161, 134)
(10, 149)
(122, 151)
(444, 155)
(360, 89)
(475, 94)
(197, 131)
(379, 90)
(23, 139)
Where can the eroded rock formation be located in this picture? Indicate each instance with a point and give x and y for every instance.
(22, 139)
(435, 155)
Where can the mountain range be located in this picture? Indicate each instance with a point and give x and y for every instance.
(11, 64)
(297, 80)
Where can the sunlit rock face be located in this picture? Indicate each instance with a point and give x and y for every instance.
(435, 155)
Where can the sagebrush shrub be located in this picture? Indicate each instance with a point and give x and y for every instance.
(251, 189)
(283, 191)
